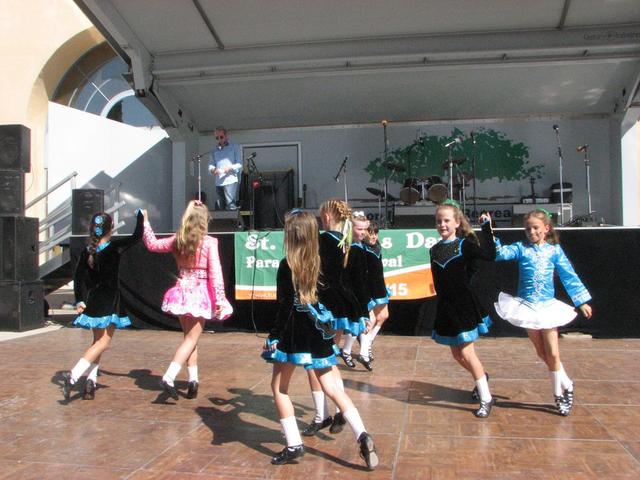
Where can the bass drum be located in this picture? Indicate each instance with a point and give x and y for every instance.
(410, 192)
(437, 191)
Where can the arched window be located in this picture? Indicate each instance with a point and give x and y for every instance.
(95, 84)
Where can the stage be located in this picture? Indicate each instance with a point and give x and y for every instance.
(415, 404)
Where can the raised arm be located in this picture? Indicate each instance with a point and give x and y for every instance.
(486, 250)
(127, 242)
(572, 284)
(507, 252)
(153, 244)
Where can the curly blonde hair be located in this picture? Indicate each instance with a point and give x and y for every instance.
(302, 250)
(193, 228)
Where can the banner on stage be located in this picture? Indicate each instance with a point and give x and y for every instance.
(405, 255)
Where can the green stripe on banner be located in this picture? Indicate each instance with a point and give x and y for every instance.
(405, 255)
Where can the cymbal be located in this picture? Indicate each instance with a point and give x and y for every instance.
(394, 167)
(455, 161)
(380, 193)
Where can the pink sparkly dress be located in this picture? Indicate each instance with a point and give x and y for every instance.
(200, 286)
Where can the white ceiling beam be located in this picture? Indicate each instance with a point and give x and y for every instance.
(612, 40)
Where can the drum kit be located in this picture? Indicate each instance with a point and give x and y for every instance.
(432, 188)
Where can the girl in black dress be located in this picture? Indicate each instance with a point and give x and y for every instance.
(95, 284)
(302, 336)
(379, 303)
(459, 318)
(335, 243)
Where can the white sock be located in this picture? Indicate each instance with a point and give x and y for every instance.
(340, 385)
(79, 369)
(172, 373)
(556, 383)
(348, 343)
(93, 373)
(355, 422)
(374, 332)
(565, 381)
(193, 373)
(320, 402)
(291, 432)
(365, 343)
(483, 389)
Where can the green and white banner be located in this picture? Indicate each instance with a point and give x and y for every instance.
(405, 255)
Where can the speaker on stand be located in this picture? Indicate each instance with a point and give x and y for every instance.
(85, 202)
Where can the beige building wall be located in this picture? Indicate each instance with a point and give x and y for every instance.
(39, 41)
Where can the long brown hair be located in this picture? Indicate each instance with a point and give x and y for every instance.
(193, 228)
(101, 226)
(301, 247)
(340, 212)
(552, 235)
(464, 229)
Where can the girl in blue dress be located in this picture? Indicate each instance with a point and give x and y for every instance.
(97, 294)
(535, 307)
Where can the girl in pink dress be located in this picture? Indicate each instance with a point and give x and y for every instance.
(198, 295)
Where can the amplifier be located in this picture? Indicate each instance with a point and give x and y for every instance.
(529, 200)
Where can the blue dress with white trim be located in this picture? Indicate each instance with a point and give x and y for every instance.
(97, 286)
(460, 317)
(535, 306)
(303, 333)
(379, 293)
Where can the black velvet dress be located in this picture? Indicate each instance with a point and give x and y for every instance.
(375, 276)
(304, 333)
(98, 287)
(336, 289)
(459, 318)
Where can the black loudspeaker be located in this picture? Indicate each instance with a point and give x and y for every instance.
(85, 203)
(273, 198)
(11, 193)
(19, 249)
(224, 221)
(21, 305)
(15, 148)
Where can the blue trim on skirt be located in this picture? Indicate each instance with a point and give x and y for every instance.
(348, 326)
(464, 337)
(303, 359)
(85, 321)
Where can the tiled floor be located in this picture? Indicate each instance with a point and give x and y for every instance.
(415, 403)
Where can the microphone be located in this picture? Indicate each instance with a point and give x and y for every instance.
(555, 127)
(455, 140)
(384, 123)
(582, 148)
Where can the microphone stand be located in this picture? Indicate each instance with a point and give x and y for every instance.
(253, 169)
(386, 177)
(555, 128)
(197, 158)
(450, 169)
(473, 170)
(588, 175)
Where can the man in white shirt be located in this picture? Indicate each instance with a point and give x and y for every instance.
(225, 165)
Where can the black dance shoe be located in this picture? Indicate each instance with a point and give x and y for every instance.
(485, 409)
(89, 390)
(568, 397)
(192, 391)
(338, 423)
(348, 359)
(365, 363)
(475, 396)
(562, 406)
(288, 455)
(66, 385)
(368, 450)
(170, 390)
(317, 426)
